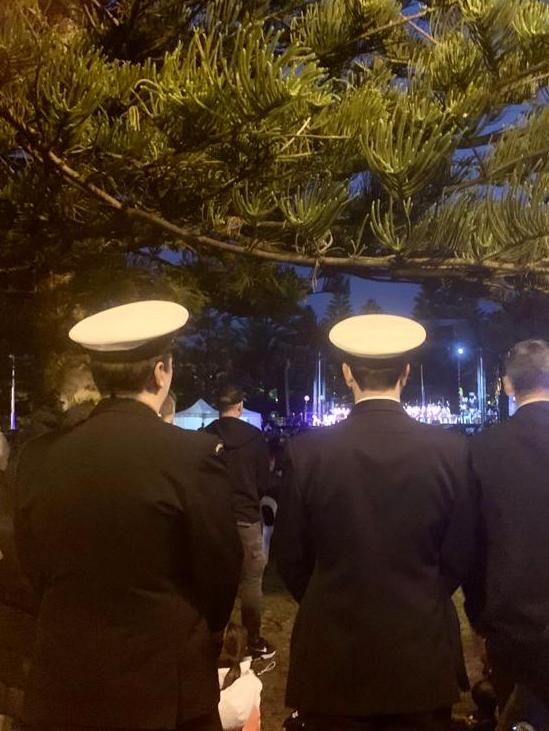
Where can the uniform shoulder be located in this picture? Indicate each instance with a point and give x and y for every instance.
(31, 454)
(29, 447)
(493, 433)
(314, 438)
(201, 442)
(438, 435)
(436, 429)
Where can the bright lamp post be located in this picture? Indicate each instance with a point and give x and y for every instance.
(306, 399)
(460, 352)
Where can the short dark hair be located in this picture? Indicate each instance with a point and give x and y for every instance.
(126, 376)
(229, 395)
(376, 375)
(527, 366)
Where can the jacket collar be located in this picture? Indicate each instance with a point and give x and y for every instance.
(124, 406)
(534, 407)
(376, 405)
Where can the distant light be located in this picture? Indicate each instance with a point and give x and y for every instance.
(460, 351)
(307, 399)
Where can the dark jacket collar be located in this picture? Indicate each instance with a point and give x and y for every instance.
(378, 404)
(124, 406)
(536, 408)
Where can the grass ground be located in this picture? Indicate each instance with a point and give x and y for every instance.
(278, 618)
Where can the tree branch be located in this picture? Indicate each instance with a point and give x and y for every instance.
(390, 266)
(506, 167)
(523, 76)
(402, 20)
(423, 33)
(18, 268)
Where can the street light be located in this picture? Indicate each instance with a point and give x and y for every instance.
(460, 352)
(306, 399)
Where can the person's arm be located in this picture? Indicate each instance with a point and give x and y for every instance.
(28, 553)
(216, 550)
(474, 584)
(293, 544)
(461, 541)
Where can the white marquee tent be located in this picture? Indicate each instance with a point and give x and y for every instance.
(200, 414)
(252, 417)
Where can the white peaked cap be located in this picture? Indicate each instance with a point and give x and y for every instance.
(129, 327)
(377, 337)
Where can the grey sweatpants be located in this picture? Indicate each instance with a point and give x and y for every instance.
(250, 590)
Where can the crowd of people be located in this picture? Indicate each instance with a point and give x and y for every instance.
(131, 539)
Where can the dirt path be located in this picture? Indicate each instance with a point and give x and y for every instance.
(278, 618)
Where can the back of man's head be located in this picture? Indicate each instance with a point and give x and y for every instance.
(127, 377)
(527, 368)
(376, 376)
(229, 398)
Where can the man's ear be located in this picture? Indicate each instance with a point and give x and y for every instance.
(403, 380)
(347, 374)
(241, 408)
(163, 374)
(508, 386)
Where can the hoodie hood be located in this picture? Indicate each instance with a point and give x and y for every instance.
(233, 432)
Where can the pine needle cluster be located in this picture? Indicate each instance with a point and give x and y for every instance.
(385, 137)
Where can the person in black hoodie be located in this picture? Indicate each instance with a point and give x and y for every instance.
(247, 459)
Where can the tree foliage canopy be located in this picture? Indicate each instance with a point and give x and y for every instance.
(382, 137)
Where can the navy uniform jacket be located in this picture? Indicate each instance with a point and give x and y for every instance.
(510, 602)
(375, 530)
(125, 528)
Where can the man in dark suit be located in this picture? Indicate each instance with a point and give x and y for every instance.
(374, 533)
(508, 600)
(124, 526)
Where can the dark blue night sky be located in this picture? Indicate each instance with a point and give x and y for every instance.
(396, 298)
